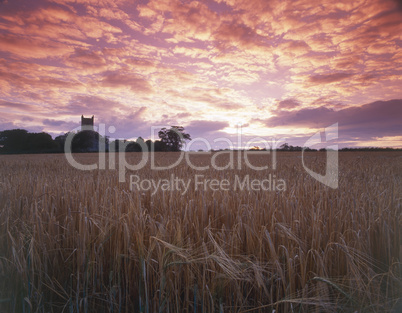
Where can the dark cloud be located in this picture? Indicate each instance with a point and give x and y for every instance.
(295, 47)
(376, 119)
(54, 82)
(85, 58)
(140, 63)
(199, 127)
(60, 125)
(231, 34)
(50, 122)
(288, 104)
(4, 125)
(306, 117)
(329, 78)
(183, 115)
(399, 4)
(18, 106)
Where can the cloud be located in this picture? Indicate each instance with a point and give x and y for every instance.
(37, 83)
(202, 128)
(188, 22)
(131, 125)
(85, 58)
(295, 47)
(18, 106)
(222, 60)
(59, 125)
(51, 122)
(288, 104)
(329, 78)
(32, 47)
(128, 121)
(233, 34)
(376, 119)
(306, 117)
(120, 79)
(45, 30)
(91, 105)
(142, 66)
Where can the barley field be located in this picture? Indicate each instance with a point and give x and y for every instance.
(81, 241)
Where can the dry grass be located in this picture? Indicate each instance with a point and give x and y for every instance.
(74, 241)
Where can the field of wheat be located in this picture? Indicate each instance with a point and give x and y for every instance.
(81, 241)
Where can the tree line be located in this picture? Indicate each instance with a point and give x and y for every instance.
(20, 141)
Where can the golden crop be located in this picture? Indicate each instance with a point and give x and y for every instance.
(80, 241)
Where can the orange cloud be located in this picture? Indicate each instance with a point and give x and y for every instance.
(122, 80)
(223, 60)
(32, 47)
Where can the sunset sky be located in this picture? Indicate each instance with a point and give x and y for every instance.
(282, 69)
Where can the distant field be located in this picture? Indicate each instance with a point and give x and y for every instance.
(81, 241)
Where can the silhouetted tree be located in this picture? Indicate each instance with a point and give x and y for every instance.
(133, 147)
(156, 146)
(60, 140)
(173, 138)
(41, 142)
(149, 144)
(141, 143)
(85, 141)
(14, 140)
(20, 141)
(116, 144)
(159, 146)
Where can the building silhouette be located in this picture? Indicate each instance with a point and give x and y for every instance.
(87, 123)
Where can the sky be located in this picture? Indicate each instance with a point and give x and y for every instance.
(270, 69)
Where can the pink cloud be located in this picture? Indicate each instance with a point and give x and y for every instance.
(22, 107)
(376, 119)
(195, 60)
(234, 34)
(120, 79)
(85, 58)
(202, 128)
(329, 78)
(288, 104)
(32, 47)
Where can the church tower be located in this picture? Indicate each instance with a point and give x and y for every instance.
(87, 123)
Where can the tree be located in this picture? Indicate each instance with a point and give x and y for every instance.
(14, 140)
(141, 143)
(86, 141)
(41, 142)
(133, 147)
(158, 145)
(20, 141)
(173, 138)
(137, 146)
(60, 140)
(154, 146)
